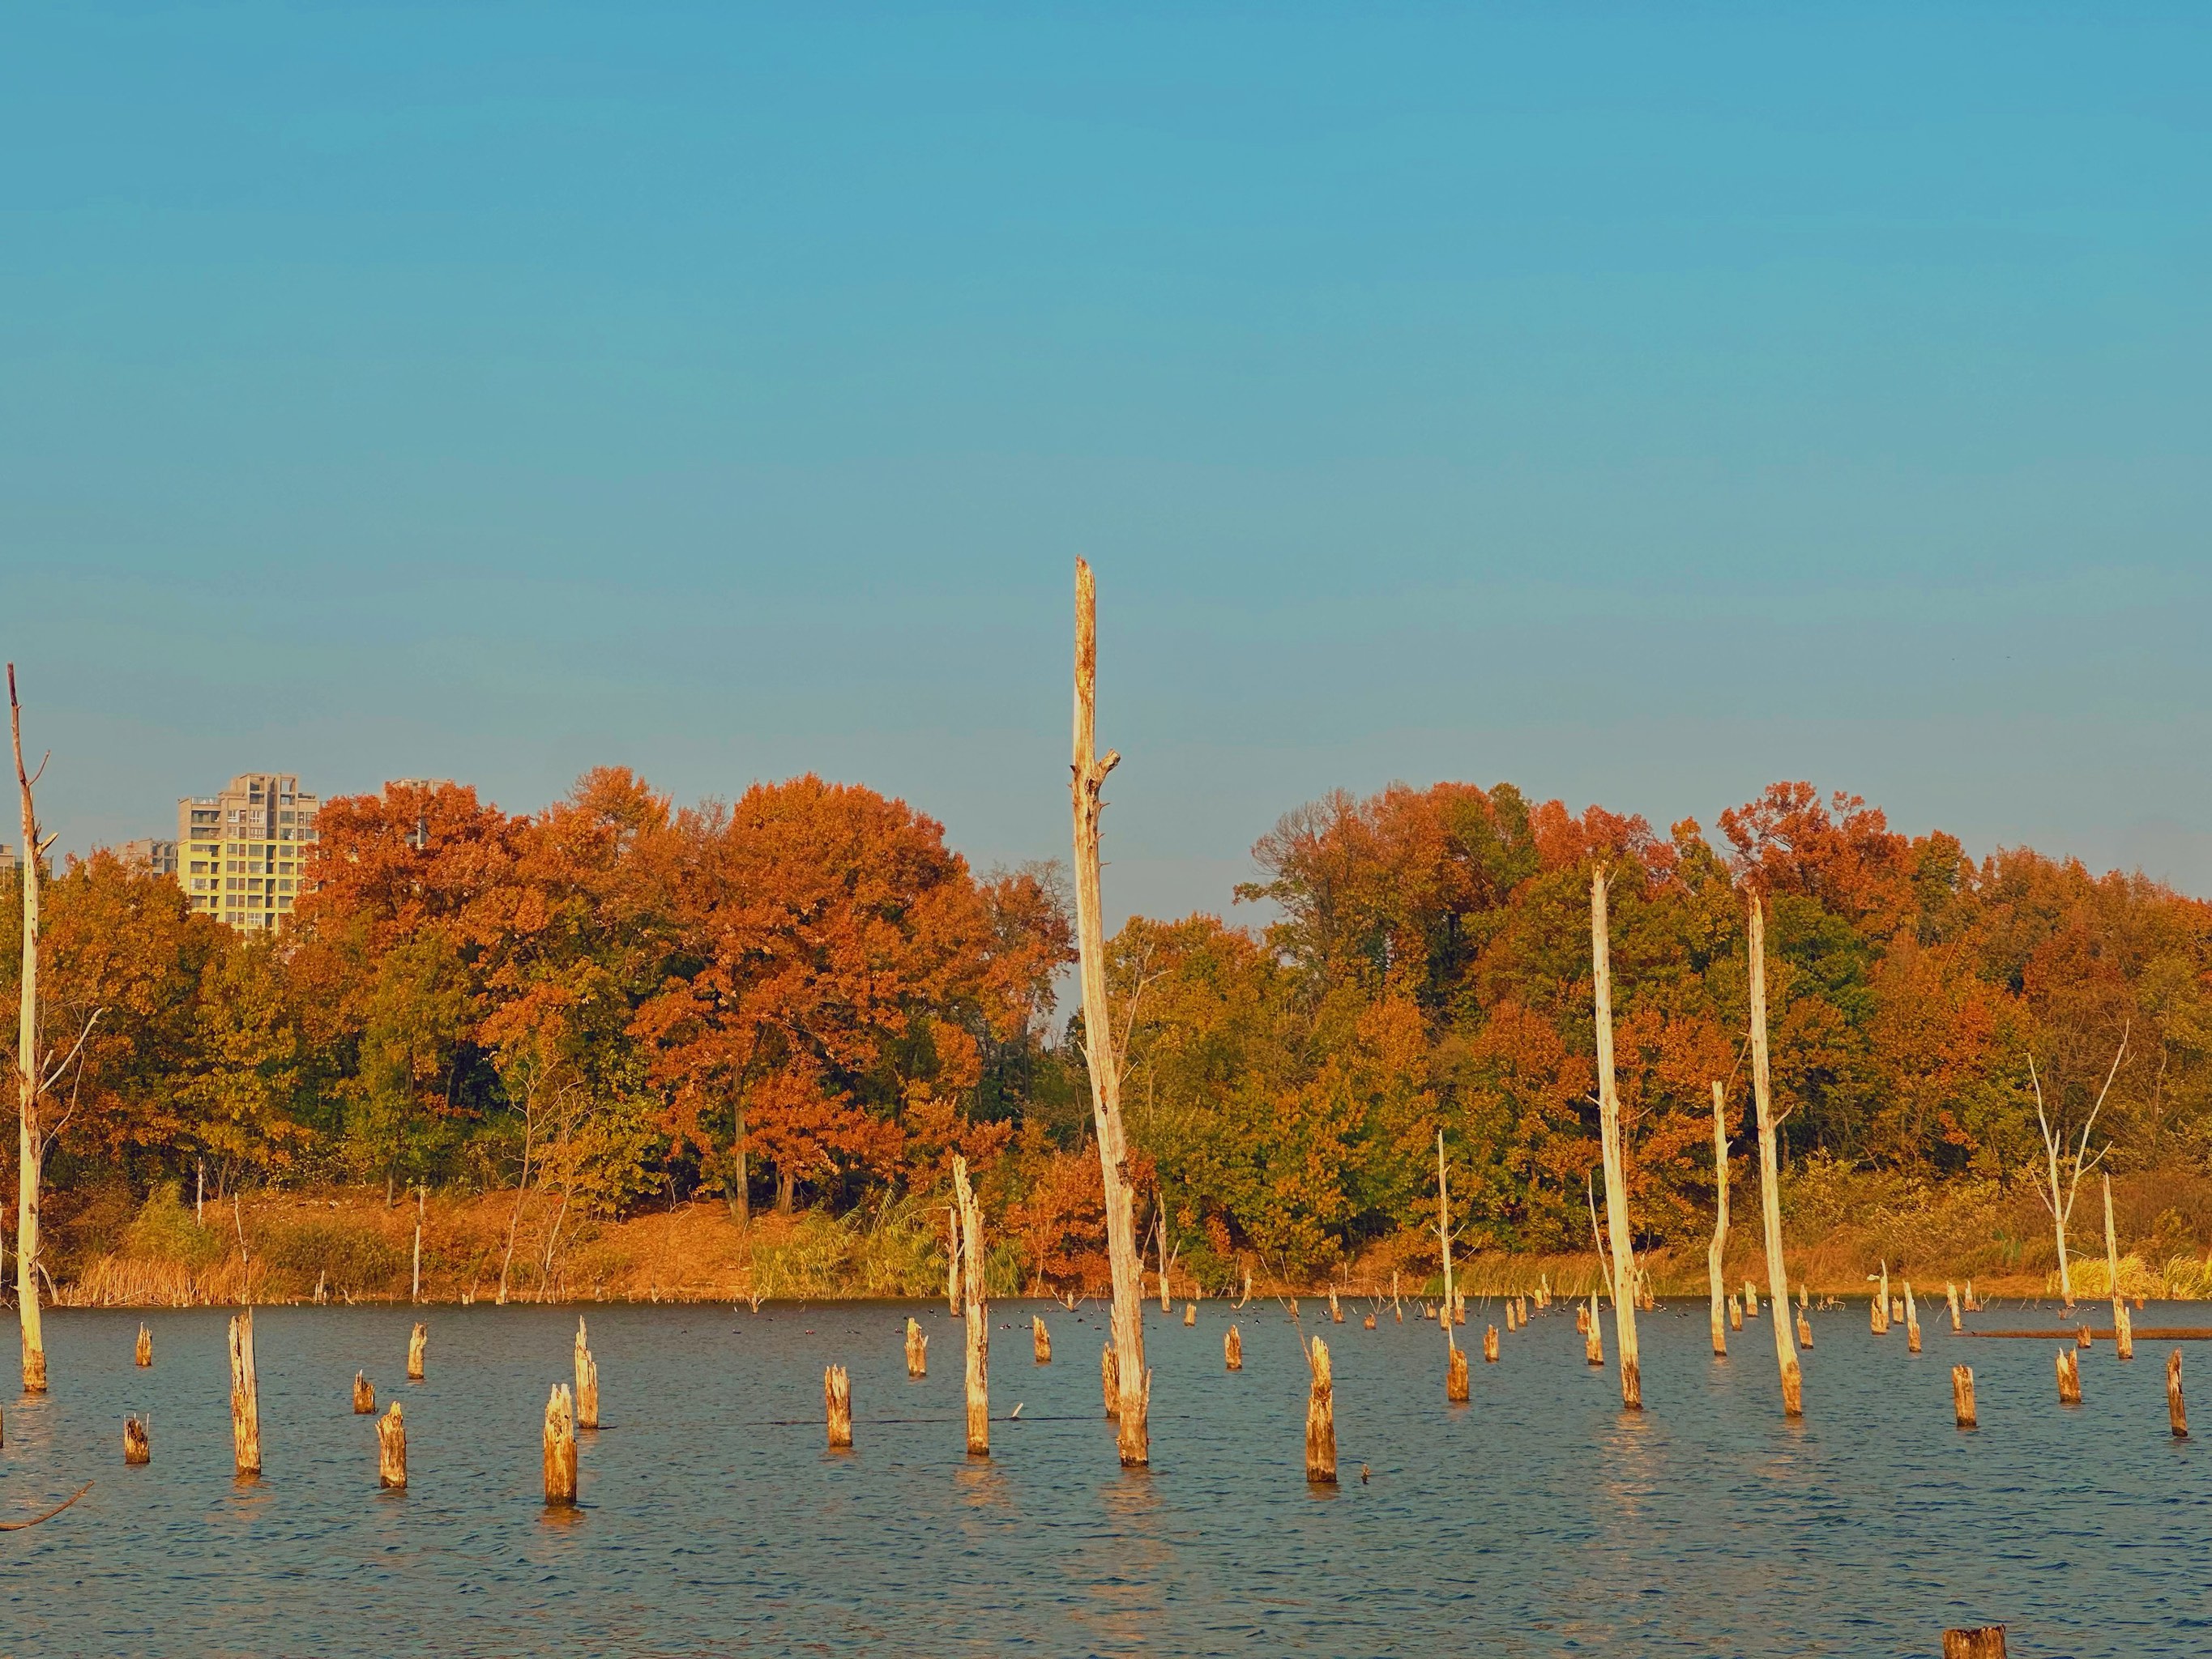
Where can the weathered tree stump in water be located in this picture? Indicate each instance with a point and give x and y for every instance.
(2124, 1330)
(245, 1396)
(1878, 1321)
(135, 1447)
(1594, 1343)
(1804, 1332)
(917, 1347)
(1962, 1396)
(1750, 1299)
(1109, 1379)
(1988, 1642)
(1335, 1313)
(364, 1395)
(1040, 1340)
(1232, 1353)
(1912, 1321)
(1320, 1418)
(977, 1380)
(416, 1344)
(559, 1448)
(1735, 1313)
(1793, 1386)
(1369, 1322)
(837, 1406)
(1951, 1295)
(1581, 1319)
(392, 1449)
(587, 1381)
(1190, 1314)
(2082, 1337)
(145, 1352)
(2069, 1377)
(2177, 1418)
(1455, 1377)
(1490, 1344)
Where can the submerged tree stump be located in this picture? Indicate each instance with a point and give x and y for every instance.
(245, 1396)
(136, 1449)
(2083, 1336)
(416, 1344)
(364, 1395)
(1335, 1313)
(1750, 1299)
(2177, 1416)
(587, 1380)
(1369, 1322)
(917, 1347)
(559, 1448)
(1232, 1353)
(1455, 1377)
(1040, 1340)
(1951, 1295)
(392, 1449)
(837, 1406)
(1804, 1332)
(2069, 1377)
(145, 1352)
(1985, 1642)
(2124, 1330)
(1109, 1379)
(1490, 1344)
(1190, 1314)
(1962, 1396)
(1735, 1313)
(1878, 1322)
(1594, 1344)
(1912, 1321)
(1320, 1418)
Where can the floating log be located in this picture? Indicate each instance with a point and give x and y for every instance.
(364, 1395)
(2069, 1377)
(1190, 1316)
(560, 1447)
(145, 1352)
(1232, 1349)
(837, 1406)
(1109, 1379)
(1320, 1418)
(245, 1396)
(135, 1447)
(1040, 1340)
(1951, 1295)
(416, 1344)
(392, 1449)
(1490, 1344)
(2177, 1415)
(587, 1381)
(1962, 1396)
(978, 1378)
(1985, 1642)
(917, 1347)
(1456, 1376)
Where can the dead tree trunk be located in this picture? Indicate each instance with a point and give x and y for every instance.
(138, 1448)
(392, 1449)
(1983, 1642)
(364, 1395)
(1040, 1340)
(1232, 1349)
(1616, 1172)
(978, 1317)
(1770, 1171)
(952, 1261)
(837, 1406)
(245, 1396)
(587, 1381)
(1962, 1396)
(1718, 1248)
(1320, 1418)
(1454, 1361)
(416, 1344)
(2177, 1415)
(144, 1353)
(30, 1143)
(917, 1349)
(1103, 1053)
(2060, 1201)
(2123, 1335)
(560, 1459)
(414, 1290)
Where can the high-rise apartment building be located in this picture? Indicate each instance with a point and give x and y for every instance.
(241, 855)
(152, 854)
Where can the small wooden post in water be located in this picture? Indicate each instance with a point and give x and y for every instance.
(978, 1379)
(2069, 1377)
(2123, 1334)
(364, 1395)
(1962, 1395)
(1804, 1330)
(1735, 1313)
(1320, 1418)
(1912, 1321)
(1190, 1314)
(1335, 1313)
(245, 1396)
(559, 1448)
(1988, 1642)
(145, 1353)
(1232, 1350)
(1109, 1379)
(1750, 1299)
(136, 1449)
(416, 1344)
(392, 1449)
(1594, 1335)
(1455, 1377)
(1490, 1344)
(587, 1381)
(917, 1347)
(1040, 1340)
(837, 1406)
(1951, 1295)
(2177, 1415)
(1880, 1321)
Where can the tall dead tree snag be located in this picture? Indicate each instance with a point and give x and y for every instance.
(1616, 1172)
(1770, 1171)
(978, 1317)
(1718, 1248)
(1102, 1052)
(2058, 1198)
(587, 1380)
(2123, 1334)
(1454, 1361)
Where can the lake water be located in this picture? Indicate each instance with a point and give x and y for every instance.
(1539, 1519)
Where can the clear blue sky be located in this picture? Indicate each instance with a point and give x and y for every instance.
(1640, 402)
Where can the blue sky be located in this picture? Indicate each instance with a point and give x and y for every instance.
(1641, 404)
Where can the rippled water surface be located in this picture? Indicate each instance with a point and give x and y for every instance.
(1537, 1520)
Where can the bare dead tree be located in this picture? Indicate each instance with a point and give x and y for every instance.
(2058, 1200)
